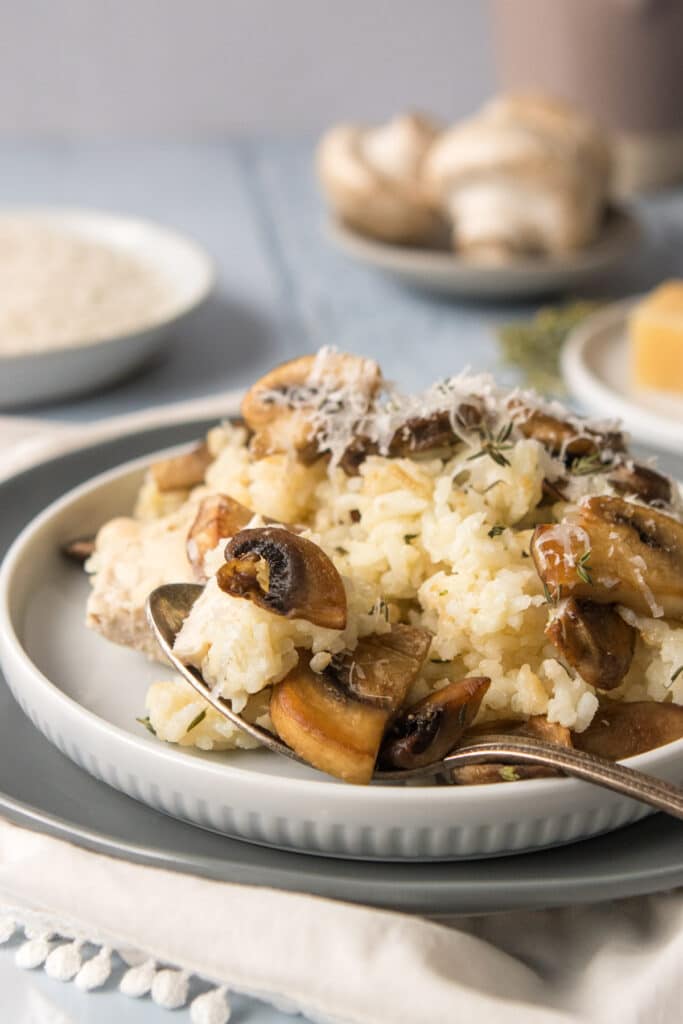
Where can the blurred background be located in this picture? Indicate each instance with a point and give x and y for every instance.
(203, 116)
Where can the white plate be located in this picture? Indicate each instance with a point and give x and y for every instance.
(596, 366)
(84, 694)
(444, 271)
(182, 265)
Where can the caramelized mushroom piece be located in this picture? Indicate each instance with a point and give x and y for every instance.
(280, 407)
(439, 430)
(624, 730)
(285, 574)
(336, 720)
(430, 729)
(651, 487)
(594, 640)
(218, 517)
(564, 438)
(182, 472)
(79, 549)
(614, 552)
(537, 727)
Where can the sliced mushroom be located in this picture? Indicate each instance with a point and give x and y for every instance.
(614, 552)
(624, 730)
(651, 487)
(335, 720)
(218, 517)
(564, 438)
(439, 430)
(552, 491)
(182, 472)
(537, 727)
(280, 408)
(285, 574)
(594, 640)
(430, 729)
(79, 549)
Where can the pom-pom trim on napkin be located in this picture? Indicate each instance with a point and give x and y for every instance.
(65, 956)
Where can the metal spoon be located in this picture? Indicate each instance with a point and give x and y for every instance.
(168, 606)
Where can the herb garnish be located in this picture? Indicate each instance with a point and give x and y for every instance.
(533, 346)
(440, 661)
(496, 531)
(587, 464)
(410, 536)
(676, 674)
(508, 773)
(583, 567)
(196, 720)
(147, 724)
(494, 445)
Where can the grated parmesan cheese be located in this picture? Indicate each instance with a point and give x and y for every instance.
(60, 289)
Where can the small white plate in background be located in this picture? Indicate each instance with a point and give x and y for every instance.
(596, 365)
(440, 270)
(181, 265)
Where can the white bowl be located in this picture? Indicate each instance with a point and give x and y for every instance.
(84, 694)
(444, 271)
(56, 373)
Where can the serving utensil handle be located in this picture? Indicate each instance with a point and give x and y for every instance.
(664, 796)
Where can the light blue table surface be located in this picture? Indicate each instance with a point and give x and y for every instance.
(281, 290)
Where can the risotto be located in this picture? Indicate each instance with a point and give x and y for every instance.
(487, 534)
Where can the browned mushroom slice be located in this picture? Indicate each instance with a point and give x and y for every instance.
(336, 720)
(279, 408)
(564, 438)
(218, 517)
(553, 491)
(489, 774)
(624, 730)
(430, 729)
(285, 574)
(614, 552)
(645, 483)
(537, 727)
(182, 472)
(79, 549)
(439, 430)
(594, 640)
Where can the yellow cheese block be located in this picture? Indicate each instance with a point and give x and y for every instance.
(656, 329)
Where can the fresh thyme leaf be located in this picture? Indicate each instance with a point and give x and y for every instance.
(442, 593)
(587, 464)
(496, 531)
(147, 724)
(552, 599)
(410, 536)
(494, 445)
(196, 720)
(525, 554)
(341, 551)
(533, 346)
(508, 773)
(583, 568)
(441, 661)
(676, 674)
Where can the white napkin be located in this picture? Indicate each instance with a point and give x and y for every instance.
(335, 962)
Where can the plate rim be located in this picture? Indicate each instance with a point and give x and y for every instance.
(596, 395)
(440, 797)
(621, 236)
(56, 212)
(447, 894)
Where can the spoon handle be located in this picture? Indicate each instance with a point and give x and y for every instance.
(663, 795)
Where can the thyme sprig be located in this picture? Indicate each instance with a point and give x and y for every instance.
(196, 720)
(583, 567)
(494, 445)
(588, 464)
(147, 724)
(496, 530)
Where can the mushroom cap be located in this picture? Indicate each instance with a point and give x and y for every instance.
(372, 177)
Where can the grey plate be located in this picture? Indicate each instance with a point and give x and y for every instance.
(40, 788)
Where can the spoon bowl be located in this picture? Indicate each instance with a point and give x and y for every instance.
(168, 606)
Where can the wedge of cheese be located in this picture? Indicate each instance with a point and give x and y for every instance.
(656, 330)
